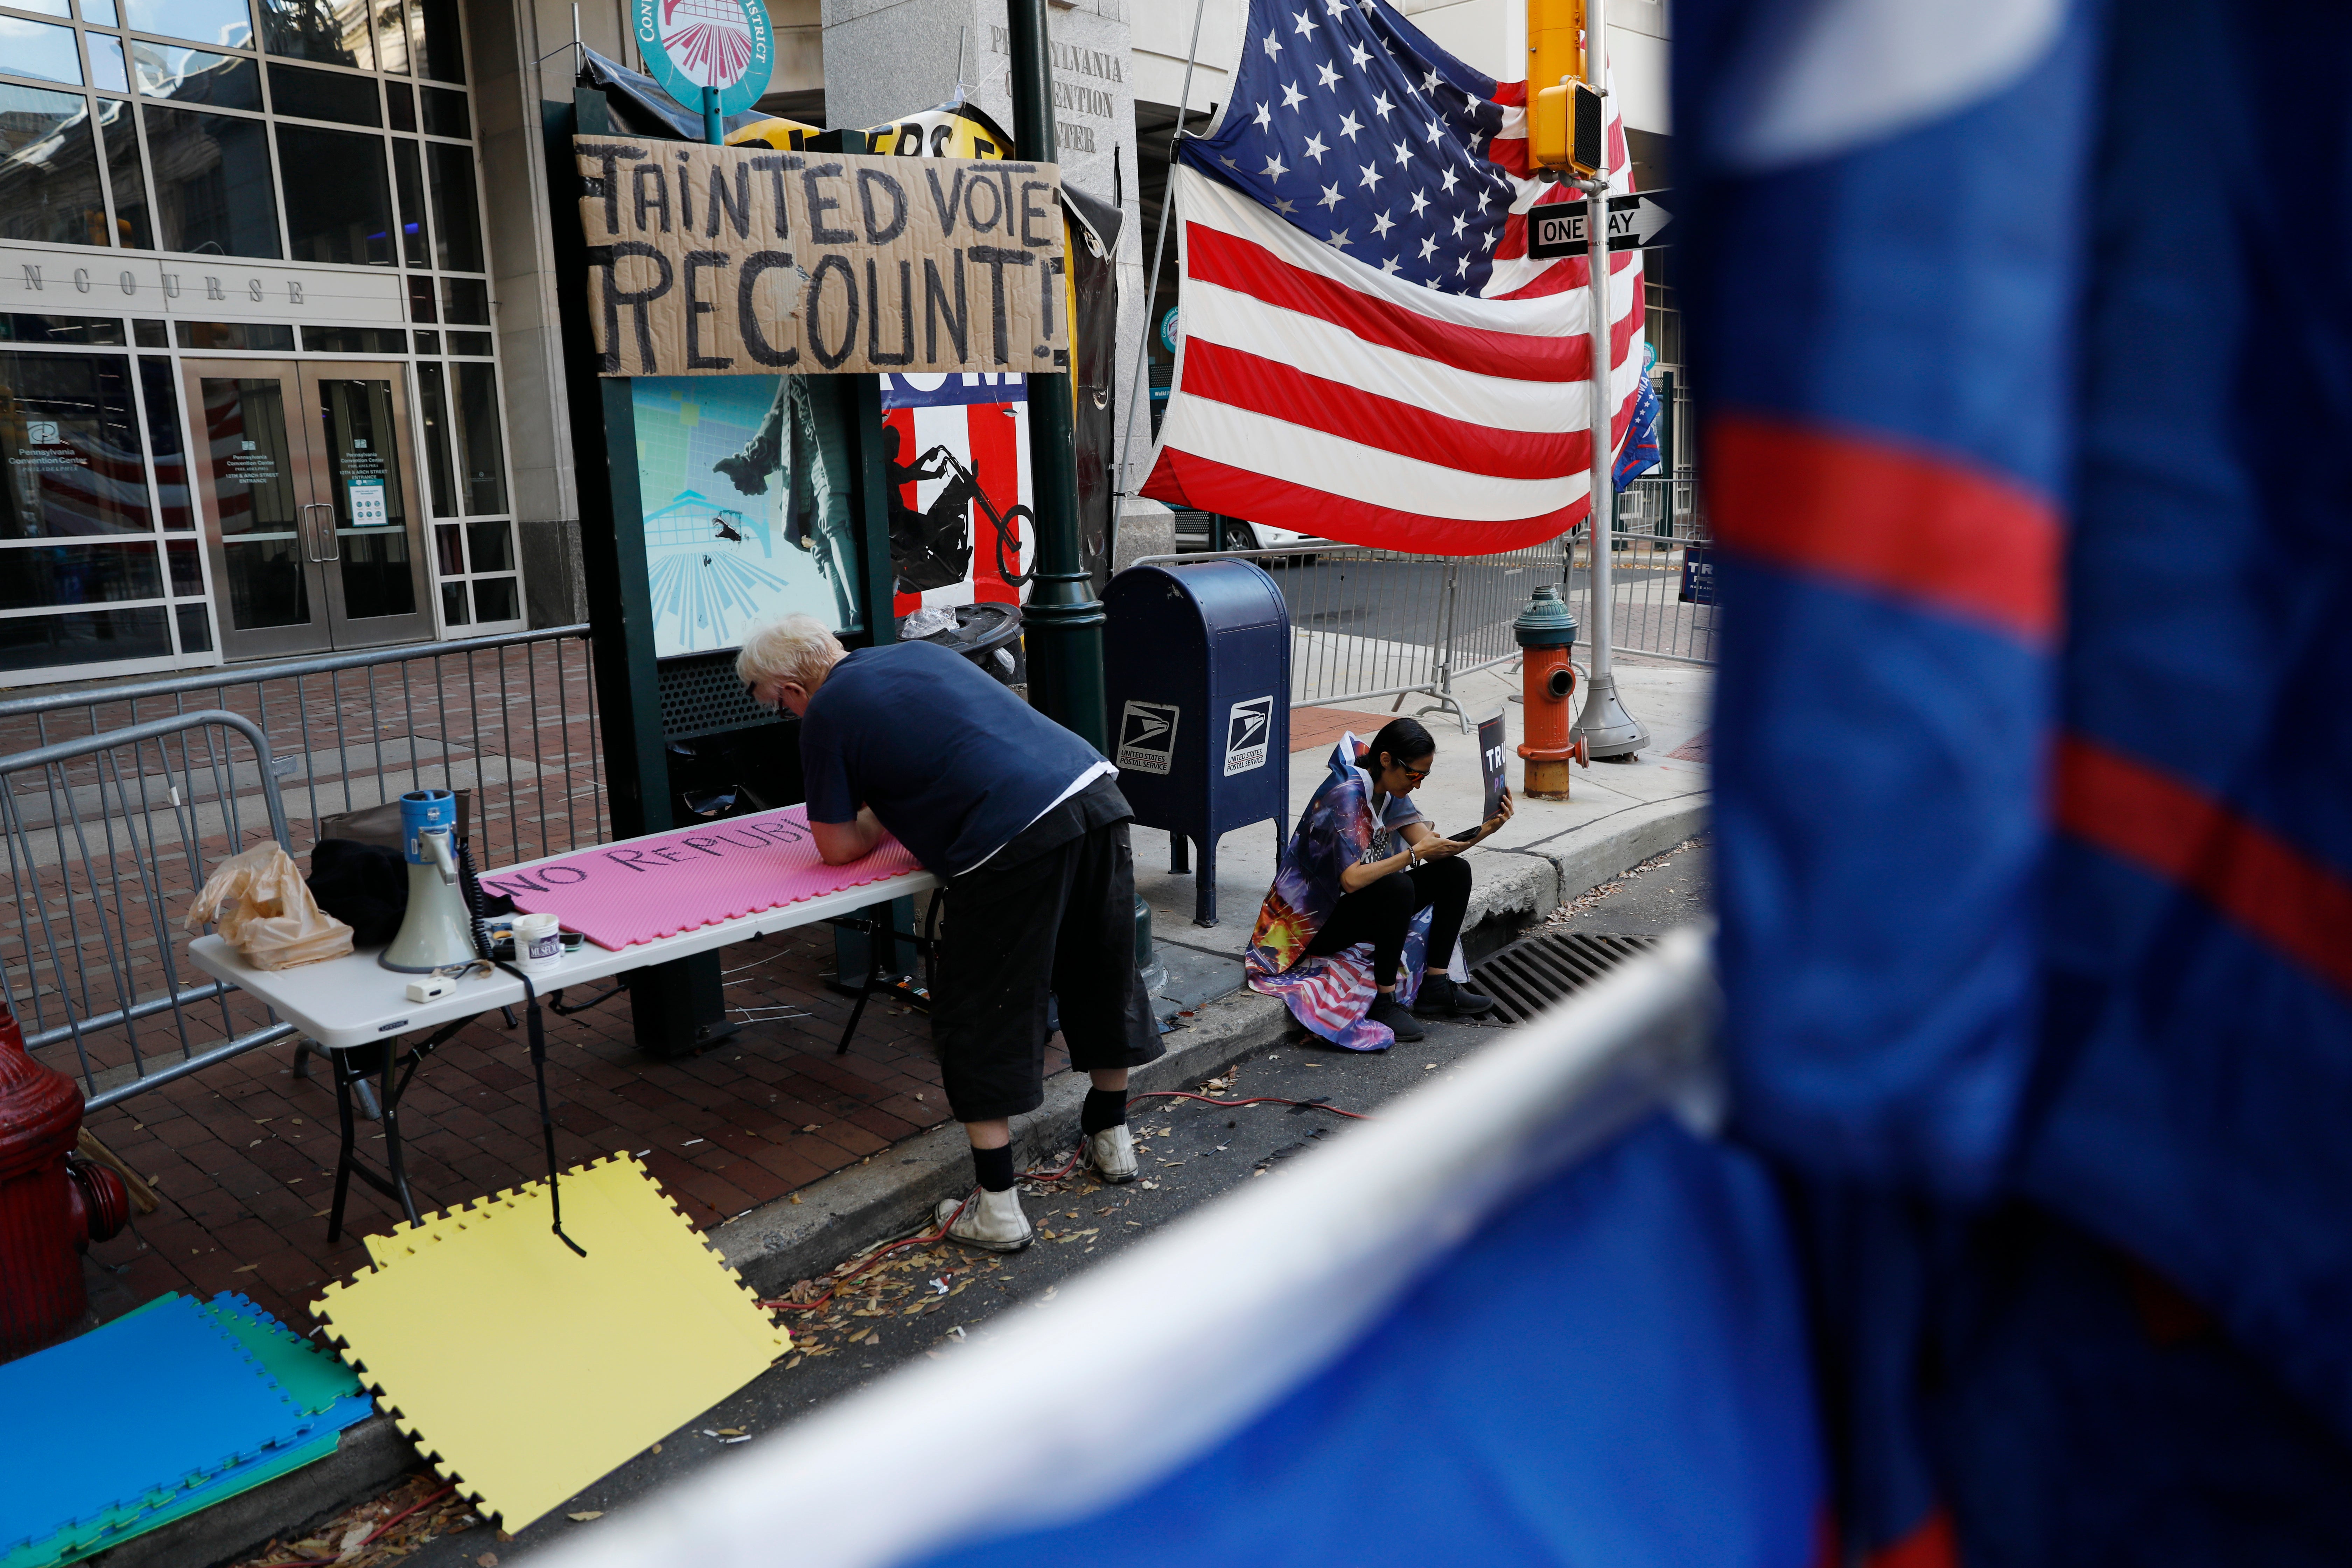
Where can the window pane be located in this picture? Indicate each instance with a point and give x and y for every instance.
(408, 180)
(46, 8)
(465, 300)
(377, 576)
(481, 460)
(212, 182)
(453, 605)
(456, 225)
(491, 545)
(433, 30)
(392, 35)
(436, 440)
(48, 177)
(332, 32)
(401, 99)
(470, 344)
(252, 480)
(106, 71)
(37, 48)
(223, 22)
(92, 637)
(187, 570)
(98, 329)
(71, 459)
(445, 112)
(257, 337)
(363, 468)
(58, 574)
(323, 95)
(420, 299)
(194, 76)
(195, 628)
(97, 13)
(355, 339)
(162, 390)
(449, 549)
(494, 599)
(337, 202)
(125, 175)
(149, 334)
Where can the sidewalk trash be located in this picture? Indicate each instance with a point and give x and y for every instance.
(264, 911)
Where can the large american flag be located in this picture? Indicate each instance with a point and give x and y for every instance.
(1368, 352)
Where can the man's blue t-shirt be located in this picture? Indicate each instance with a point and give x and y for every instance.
(953, 763)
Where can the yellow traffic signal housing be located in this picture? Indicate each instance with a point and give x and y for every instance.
(1555, 43)
(1564, 129)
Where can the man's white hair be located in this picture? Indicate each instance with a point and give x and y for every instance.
(796, 648)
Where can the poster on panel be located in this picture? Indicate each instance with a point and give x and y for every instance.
(744, 487)
(961, 531)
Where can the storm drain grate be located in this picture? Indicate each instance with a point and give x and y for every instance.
(1529, 976)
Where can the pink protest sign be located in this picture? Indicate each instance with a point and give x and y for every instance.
(665, 883)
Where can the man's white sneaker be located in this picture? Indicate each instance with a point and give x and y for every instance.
(992, 1221)
(1111, 1152)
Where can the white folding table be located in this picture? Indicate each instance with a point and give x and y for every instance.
(352, 1003)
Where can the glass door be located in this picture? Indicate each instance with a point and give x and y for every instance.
(309, 508)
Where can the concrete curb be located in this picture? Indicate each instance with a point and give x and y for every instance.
(784, 1241)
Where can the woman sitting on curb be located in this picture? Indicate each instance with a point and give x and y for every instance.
(1366, 894)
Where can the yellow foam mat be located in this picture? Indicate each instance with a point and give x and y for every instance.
(523, 1372)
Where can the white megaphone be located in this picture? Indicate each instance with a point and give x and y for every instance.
(438, 931)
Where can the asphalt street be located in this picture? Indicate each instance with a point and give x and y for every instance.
(934, 1301)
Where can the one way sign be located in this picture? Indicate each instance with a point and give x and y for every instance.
(1557, 228)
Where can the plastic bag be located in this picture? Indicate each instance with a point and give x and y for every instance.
(261, 905)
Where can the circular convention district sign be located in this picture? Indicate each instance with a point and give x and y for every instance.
(689, 45)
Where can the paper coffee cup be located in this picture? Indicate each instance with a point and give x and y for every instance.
(539, 944)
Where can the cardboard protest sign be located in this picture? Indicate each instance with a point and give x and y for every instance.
(738, 260)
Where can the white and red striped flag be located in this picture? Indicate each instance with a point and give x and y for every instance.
(1368, 353)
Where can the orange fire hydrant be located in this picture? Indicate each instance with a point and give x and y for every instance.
(1546, 632)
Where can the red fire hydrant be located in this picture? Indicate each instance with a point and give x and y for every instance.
(1546, 632)
(53, 1203)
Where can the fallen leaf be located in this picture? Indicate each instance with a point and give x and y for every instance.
(813, 1127)
(247, 1269)
(731, 1431)
(262, 1120)
(656, 1447)
(487, 1560)
(796, 1197)
(788, 1366)
(584, 1515)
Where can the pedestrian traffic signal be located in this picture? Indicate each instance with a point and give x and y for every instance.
(1564, 129)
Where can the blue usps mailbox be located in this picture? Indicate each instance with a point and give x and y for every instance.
(1197, 664)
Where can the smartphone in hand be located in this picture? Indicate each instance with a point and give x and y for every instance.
(1467, 834)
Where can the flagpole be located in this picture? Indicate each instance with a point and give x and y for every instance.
(1608, 730)
(1158, 248)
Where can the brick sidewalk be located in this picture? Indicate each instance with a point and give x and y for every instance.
(242, 1155)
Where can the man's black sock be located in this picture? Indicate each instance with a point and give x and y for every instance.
(1104, 1108)
(994, 1167)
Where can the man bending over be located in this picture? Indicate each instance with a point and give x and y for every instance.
(1024, 825)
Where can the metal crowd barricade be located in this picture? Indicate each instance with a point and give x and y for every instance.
(1384, 623)
(96, 901)
(115, 799)
(1663, 579)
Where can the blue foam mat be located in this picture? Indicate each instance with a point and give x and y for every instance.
(133, 1412)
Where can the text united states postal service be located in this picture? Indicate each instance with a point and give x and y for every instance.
(741, 260)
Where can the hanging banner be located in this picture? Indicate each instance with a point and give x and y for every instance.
(732, 260)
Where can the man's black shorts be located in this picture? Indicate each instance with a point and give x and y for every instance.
(1051, 912)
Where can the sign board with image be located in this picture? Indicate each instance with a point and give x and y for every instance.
(691, 44)
(1146, 738)
(745, 260)
(1247, 728)
(367, 508)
